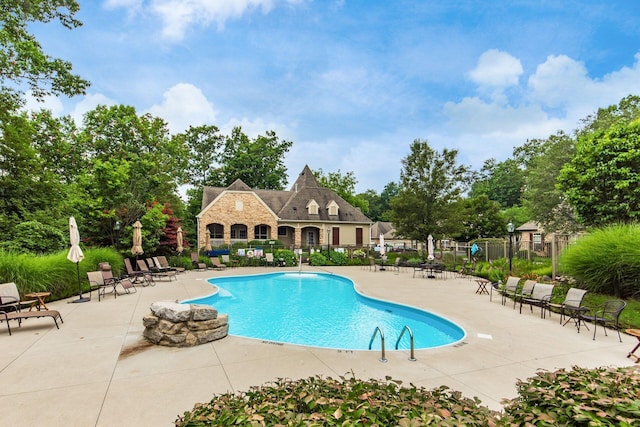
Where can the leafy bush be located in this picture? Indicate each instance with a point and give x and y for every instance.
(317, 259)
(36, 238)
(606, 261)
(328, 402)
(288, 256)
(338, 258)
(580, 397)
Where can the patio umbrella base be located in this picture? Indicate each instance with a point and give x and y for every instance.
(81, 300)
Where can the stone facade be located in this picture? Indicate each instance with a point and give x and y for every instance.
(307, 215)
(238, 207)
(184, 325)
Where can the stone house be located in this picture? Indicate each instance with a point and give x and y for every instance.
(307, 215)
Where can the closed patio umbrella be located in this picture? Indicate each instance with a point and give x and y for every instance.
(207, 244)
(383, 251)
(179, 240)
(430, 248)
(75, 254)
(136, 249)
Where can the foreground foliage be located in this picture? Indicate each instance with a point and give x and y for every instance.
(329, 402)
(580, 397)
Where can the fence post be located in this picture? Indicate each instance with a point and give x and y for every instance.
(554, 256)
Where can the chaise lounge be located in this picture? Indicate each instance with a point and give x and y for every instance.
(21, 315)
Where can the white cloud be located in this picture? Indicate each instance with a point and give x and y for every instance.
(88, 103)
(496, 69)
(178, 15)
(563, 83)
(557, 96)
(51, 103)
(184, 105)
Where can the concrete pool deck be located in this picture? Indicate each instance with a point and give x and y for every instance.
(97, 370)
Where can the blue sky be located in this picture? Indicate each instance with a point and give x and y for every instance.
(354, 83)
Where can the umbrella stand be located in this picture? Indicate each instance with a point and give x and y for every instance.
(80, 297)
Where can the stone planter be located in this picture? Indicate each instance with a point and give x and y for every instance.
(184, 325)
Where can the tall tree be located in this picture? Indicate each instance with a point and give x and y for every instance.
(259, 163)
(131, 163)
(431, 183)
(205, 144)
(22, 60)
(542, 198)
(602, 181)
(502, 182)
(344, 186)
(481, 217)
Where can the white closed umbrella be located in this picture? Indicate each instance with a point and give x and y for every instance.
(430, 255)
(179, 240)
(382, 252)
(75, 254)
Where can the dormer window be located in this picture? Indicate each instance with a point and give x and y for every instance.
(312, 207)
(332, 207)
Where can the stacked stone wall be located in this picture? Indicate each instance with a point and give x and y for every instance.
(184, 325)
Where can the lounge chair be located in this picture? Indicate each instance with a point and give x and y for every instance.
(524, 292)
(268, 259)
(509, 289)
(571, 305)
(215, 263)
(226, 259)
(156, 268)
(96, 283)
(606, 314)
(145, 268)
(195, 260)
(137, 276)
(21, 315)
(110, 281)
(540, 297)
(162, 260)
(10, 298)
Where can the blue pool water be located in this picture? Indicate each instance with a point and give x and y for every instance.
(321, 310)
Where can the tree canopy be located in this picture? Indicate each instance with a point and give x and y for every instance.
(431, 184)
(23, 63)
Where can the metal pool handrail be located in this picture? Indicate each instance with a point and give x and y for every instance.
(375, 332)
(406, 329)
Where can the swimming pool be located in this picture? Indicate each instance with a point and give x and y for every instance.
(321, 310)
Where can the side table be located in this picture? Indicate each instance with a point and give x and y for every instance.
(39, 300)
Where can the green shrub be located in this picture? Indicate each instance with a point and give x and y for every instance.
(338, 258)
(327, 402)
(288, 256)
(317, 259)
(606, 261)
(580, 397)
(55, 273)
(36, 238)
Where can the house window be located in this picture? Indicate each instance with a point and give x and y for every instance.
(216, 231)
(311, 238)
(312, 207)
(282, 231)
(261, 232)
(332, 207)
(239, 232)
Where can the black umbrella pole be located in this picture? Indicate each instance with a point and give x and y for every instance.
(80, 297)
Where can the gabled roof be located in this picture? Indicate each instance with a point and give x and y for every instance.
(292, 205)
